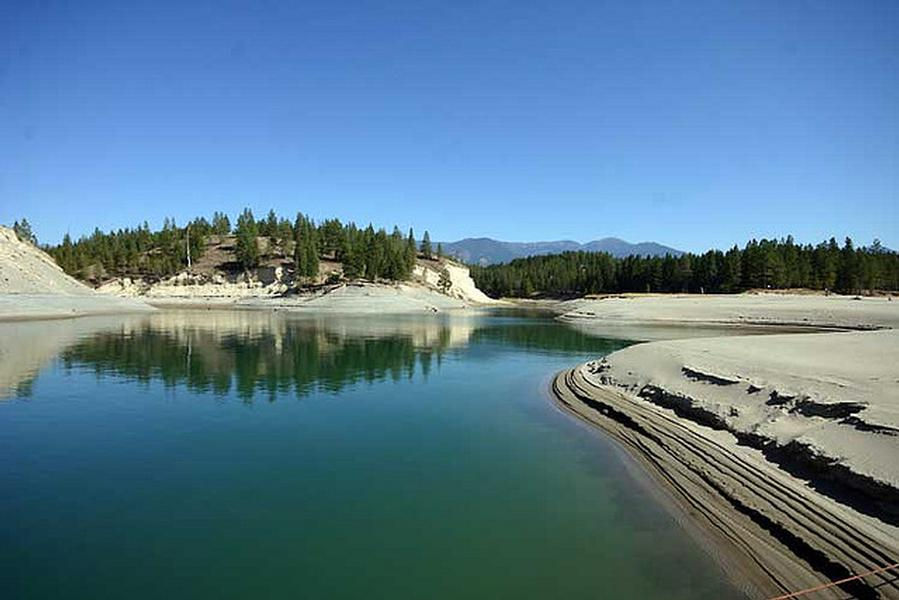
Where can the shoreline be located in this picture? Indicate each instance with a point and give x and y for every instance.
(776, 449)
(769, 533)
(656, 489)
(735, 310)
(351, 299)
(655, 486)
(76, 312)
(45, 307)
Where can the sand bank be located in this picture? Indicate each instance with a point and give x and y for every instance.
(362, 299)
(18, 307)
(740, 310)
(783, 447)
(359, 299)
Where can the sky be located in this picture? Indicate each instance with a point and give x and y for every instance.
(693, 124)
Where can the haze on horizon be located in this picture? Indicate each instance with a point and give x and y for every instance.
(694, 126)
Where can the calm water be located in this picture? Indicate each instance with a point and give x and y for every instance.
(238, 455)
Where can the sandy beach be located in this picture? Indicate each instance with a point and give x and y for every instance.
(357, 298)
(734, 311)
(780, 447)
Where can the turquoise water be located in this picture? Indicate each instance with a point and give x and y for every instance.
(238, 454)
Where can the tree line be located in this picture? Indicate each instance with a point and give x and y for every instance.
(137, 251)
(365, 253)
(766, 264)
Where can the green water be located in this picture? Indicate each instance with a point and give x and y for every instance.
(249, 455)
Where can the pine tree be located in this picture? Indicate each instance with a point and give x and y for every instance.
(23, 231)
(354, 261)
(848, 276)
(270, 229)
(372, 254)
(731, 273)
(411, 252)
(247, 231)
(343, 244)
(64, 255)
(426, 245)
(310, 246)
(444, 282)
(299, 250)
(221, 225)
(332, 235)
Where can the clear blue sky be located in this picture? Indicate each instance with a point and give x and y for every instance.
(689, 123)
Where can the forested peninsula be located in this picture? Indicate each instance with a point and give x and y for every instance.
(140, 252)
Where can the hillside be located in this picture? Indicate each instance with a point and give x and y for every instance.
(32, 286)
(216, 278)
(25, 269)
(484, 251)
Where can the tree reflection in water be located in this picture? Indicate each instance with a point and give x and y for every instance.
(267, 355)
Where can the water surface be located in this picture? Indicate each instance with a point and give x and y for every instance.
(239, 454)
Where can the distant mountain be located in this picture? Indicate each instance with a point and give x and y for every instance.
(485, 251)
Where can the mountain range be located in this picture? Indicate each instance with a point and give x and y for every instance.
(484, 251)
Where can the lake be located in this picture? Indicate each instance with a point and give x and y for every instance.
(216, 454)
